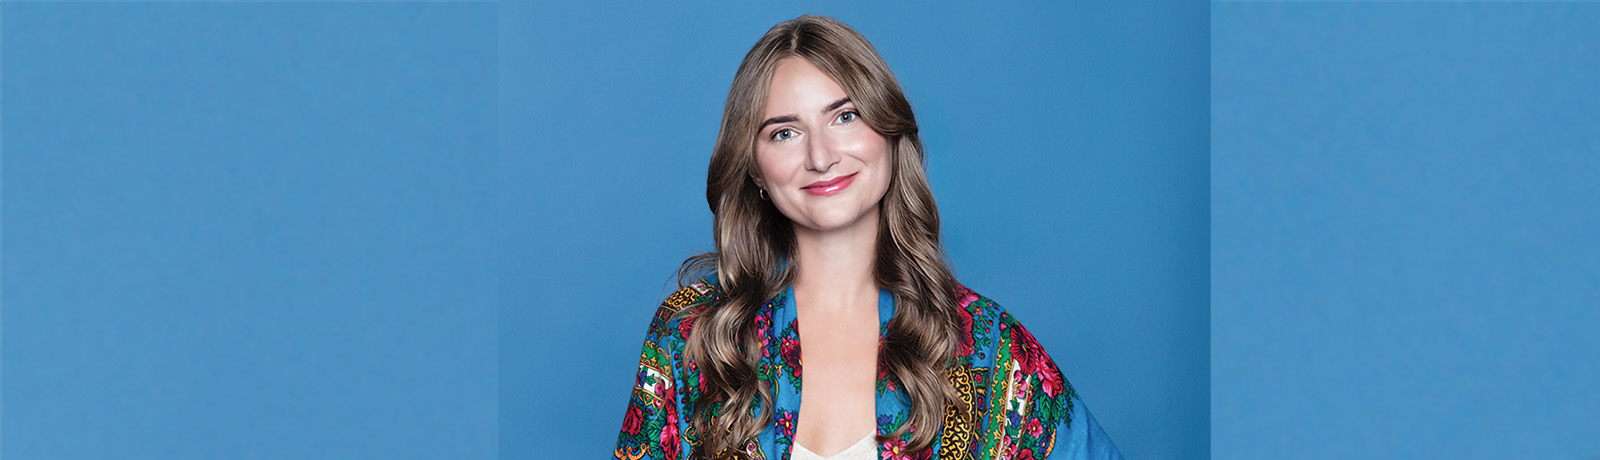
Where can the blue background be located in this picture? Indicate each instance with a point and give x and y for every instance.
(1406, 203)
(283, 231)
(1067, 150)
(248, 231)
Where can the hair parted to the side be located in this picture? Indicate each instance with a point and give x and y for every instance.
(752, 236)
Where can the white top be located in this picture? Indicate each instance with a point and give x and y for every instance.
(865, 449)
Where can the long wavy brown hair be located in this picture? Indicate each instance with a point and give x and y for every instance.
(752, 237)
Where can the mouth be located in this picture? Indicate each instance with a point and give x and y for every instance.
(831, 186)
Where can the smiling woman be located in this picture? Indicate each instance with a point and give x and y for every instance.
(813, 148)
(827, 235)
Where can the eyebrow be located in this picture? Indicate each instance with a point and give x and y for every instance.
(837, 104)
(791, 118)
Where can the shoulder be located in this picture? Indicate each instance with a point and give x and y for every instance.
(669, 327)
(999, 340)
(989, 318)
(1022, 379)
(980, 321)
(976, 305)
(674, 316)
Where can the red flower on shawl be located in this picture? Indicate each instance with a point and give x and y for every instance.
(1031, 358)
(790, 351)
(965, 296)
(630, 422)
(686, 324)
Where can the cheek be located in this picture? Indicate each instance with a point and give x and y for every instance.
(884, 158)
(874, 152)
(770, 164)
(869, 146)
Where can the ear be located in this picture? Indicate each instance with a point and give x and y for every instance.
(758, 180)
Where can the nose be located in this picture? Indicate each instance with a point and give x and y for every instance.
(821, 153)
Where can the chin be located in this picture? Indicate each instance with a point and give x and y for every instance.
(836, 220)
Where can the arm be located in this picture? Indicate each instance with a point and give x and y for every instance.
(1056, 423)
(654, 424)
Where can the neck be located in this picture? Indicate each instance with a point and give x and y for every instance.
(836, 267)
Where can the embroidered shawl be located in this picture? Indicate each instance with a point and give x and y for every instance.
(1025, 408)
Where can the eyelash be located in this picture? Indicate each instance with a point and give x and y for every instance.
(854, 116)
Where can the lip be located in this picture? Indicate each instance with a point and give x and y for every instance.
(829, 187)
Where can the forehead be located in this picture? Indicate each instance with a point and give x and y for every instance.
(800, 88)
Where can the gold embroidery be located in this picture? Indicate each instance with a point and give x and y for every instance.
(955, 442)
(685, 297)
(699, 293)
(1052, 446)
(630, 453)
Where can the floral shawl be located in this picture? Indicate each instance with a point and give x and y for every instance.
(1025, 408)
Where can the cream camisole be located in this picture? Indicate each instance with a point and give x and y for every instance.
(865, 449)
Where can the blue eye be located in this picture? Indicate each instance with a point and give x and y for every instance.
(783, 135)
(848, 117)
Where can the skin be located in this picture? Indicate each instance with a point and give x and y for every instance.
(817, 138)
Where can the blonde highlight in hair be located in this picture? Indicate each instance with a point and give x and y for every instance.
(753, 238)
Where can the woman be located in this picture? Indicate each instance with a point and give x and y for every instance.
(827, 235)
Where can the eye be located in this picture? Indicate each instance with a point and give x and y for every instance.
(783, 134)
(847, 117)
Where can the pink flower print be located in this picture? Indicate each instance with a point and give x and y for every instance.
(669, 433)
(1006, 446)
(895, 449)
(1050, 382)
(965, 296)
(786, 422)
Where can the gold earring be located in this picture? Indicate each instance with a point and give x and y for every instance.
(763, 194)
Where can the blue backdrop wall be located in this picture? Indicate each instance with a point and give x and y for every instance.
(1406, 230)
(248, 230)
(270, 230)
(1067, 149)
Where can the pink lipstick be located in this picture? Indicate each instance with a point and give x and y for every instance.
(829, 187)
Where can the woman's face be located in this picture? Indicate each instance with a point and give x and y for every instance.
(822, 165)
